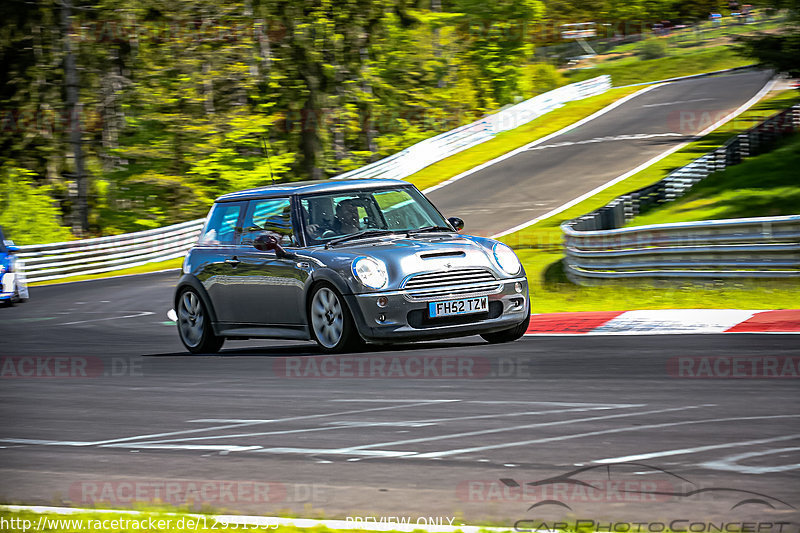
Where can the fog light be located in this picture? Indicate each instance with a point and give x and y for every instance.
(383, 301)
(518, 287)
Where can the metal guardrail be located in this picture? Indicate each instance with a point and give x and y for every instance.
(45, 262)
(598, 247)
(414, 158)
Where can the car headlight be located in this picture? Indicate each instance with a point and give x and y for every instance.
(371, 272)
(506, 258)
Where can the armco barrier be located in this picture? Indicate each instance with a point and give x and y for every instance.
(598, 247)
(47, 262)
(414, 158)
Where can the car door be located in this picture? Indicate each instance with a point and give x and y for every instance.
(268, 290)
(214, 258)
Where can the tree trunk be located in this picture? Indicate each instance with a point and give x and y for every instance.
(81, 208)
(436, 7)
(310, 141)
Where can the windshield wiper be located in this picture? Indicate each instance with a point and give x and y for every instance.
(360, 235)
(425, 229)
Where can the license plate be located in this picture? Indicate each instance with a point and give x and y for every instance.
(464, 306)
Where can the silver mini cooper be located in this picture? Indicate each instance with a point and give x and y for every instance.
(341, 263)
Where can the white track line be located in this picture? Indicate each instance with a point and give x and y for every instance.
(138, 314)
(741, 109)
(609, 138)
(559, 404)
(436, 455)
(361, 425)
(503, 430)
(697, 449)
(215, 428)
(270, 521)
(539, 141)
(730, 463)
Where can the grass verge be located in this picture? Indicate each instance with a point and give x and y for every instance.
(540, 247)
(141, 269)
(765, 185)
(634, 70)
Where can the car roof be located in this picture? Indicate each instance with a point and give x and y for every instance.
(310, 187)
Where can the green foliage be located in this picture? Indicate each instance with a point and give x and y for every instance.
(27, 213)
(497, 43)
(545, 78)
(780, 52)
(635, 70)
(652, 49)
(177, 97)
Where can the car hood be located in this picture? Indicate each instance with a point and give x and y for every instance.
(405, 256)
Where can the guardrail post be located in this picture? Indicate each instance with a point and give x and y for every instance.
(744, 145)
(720, 155)
(631, 205)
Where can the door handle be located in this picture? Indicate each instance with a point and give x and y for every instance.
(233, 261)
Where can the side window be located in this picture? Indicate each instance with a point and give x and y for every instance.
(221, 225)
(273, 215)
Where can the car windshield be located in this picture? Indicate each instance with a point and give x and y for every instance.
(335, 215)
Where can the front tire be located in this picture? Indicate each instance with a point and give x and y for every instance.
(330, 320)
(510, 334)
(194, 324)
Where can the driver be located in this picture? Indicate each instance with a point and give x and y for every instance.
(346, 218)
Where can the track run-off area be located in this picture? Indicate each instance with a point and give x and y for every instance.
(116, 411)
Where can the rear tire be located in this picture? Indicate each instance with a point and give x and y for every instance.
(194, 324)
(331, 322)
(510, 334)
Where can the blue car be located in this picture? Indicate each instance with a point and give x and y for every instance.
(12, 287)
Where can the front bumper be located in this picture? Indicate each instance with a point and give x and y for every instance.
(405, 317)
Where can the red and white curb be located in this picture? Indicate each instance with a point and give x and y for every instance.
(666, 322)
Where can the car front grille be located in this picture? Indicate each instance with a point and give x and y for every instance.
(448, 278)
(451, 283)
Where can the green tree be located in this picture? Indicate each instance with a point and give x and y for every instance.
(497, 33)
(27, 213)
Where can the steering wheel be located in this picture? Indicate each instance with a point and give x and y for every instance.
(328, 233)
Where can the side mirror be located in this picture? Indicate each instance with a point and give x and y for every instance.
(268, 243)
(456, 222)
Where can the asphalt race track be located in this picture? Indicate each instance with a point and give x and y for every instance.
(100, 403)
(551, 174)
